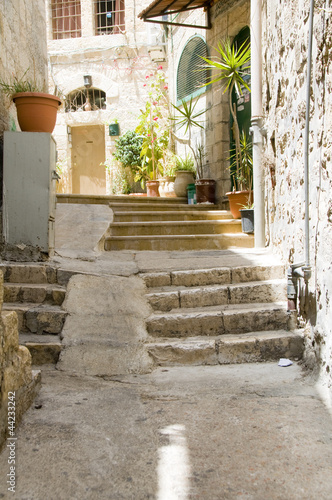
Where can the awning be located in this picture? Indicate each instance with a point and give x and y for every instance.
(166, 8)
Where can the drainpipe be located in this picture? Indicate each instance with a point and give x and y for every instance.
(303, 270)
(257, 119)
(307, 267)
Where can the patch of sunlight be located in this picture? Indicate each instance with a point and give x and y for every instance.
(173, 465)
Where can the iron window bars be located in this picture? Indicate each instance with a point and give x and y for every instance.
(85, 100)
(66, 19)
(110, 16)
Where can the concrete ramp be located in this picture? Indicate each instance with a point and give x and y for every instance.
(104, 332)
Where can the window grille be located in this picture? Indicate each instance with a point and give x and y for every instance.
(110, 16)
(85, 100)
(66, 19)
(191, 75)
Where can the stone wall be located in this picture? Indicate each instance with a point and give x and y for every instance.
(23, 48)
(17, 380)
(285, 45)
(118, 65)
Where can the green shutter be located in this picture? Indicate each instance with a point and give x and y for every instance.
(191, 77)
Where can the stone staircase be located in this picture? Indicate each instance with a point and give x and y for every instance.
(36, 293)
(219, 316)
(142, 223)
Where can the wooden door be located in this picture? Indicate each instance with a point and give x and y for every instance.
(88, 152)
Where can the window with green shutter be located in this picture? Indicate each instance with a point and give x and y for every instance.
(191, 74)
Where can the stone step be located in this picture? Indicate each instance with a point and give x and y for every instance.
(182, 297)
(171, 215)
(158, 206)
(28, 273)
(194, 227)
(243, 348)
(36, 293)
(124, 199)
(44, 349)
(179, 242)
(218, 320)
(213, 276)
(38, 318)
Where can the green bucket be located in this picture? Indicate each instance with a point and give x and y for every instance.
(191, 194)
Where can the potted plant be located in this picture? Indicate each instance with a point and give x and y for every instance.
(114, 128)
(127, 152)
(188, 119)
(167, 182)
(205, 188)
(232, 64)
(184, 174)
(243, 178)
(154, 129)
(36, 110)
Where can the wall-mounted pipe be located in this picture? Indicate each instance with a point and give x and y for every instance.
(307, 268)
(256, 120)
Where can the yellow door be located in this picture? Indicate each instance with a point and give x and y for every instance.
(88, 152)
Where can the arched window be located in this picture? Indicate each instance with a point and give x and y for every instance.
(191, 74)
(85, 100)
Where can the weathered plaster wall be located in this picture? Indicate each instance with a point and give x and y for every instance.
(285, 42)
(118, 64)
(23, 46)
(227, 20)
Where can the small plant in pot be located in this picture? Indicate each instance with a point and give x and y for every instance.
(188, 119)
(184, 174)
(205, 188)
(242, 179)
(36, 110)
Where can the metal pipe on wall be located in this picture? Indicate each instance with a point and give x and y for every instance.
(256, 120)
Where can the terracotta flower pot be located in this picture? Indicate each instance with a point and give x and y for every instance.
(36, 112)
(152, 188)
(237, 199)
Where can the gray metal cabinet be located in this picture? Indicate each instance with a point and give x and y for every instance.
(29, 190)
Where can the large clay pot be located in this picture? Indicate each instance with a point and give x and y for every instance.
(36, 112)
(237, 200)
(152, 188)
(205, 191)
(182, 179)
(166, 187)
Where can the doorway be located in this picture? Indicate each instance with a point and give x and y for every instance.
(88, 152)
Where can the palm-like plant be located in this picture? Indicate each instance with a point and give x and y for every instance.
(188, 118)
(232, 64)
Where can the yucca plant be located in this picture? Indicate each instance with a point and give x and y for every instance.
(231, 64)
(188, 119)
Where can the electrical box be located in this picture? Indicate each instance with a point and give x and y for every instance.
(29, 190)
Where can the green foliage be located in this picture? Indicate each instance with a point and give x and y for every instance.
(119, 176)
(154, 126)
(243, 178)
(232, 64)
(186, 163)
(18, 85)
(187, 116)
(128, 149)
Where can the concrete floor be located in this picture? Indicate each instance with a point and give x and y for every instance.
(240, 431)
(254, 431)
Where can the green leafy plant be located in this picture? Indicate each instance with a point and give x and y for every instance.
(244, 175)
(18, 85)
(186, 163)
(154, 125)
(232, 64)
(128, 148)
(188, 118)
(119, 176)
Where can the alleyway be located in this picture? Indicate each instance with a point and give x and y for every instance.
(252, 431)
